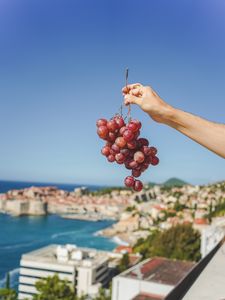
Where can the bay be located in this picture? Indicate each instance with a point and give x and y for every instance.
(19, 235)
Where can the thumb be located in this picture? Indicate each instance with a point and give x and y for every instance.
(131, 99)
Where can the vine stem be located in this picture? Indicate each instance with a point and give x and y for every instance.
(129, 106)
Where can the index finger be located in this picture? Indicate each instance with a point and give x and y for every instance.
(129, 87)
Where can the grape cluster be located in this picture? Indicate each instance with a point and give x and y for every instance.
(124, 146)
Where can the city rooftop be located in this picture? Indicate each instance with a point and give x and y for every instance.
(69, 254)
(161, 270)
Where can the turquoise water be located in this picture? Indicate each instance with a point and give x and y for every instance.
(23, 234)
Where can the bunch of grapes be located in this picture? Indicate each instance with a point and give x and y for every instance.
(124, 146)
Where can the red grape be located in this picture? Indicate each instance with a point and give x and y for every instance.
(111, 158)
(115, 148)
(143, 142)
(120, 121)
(138, 123)
(133, 164)
(112, 125)
(136, 173)
(132, 144)
(111, 137)
(133, 127)
(128, 135)
(122, 130)
(102, 132)
(146, 150)
(139, 157)
(154, 160)
(153, 151)
(138, 186)
(106, 150)
(129, 181)
(120, 141)
(101, 122)
(120, 158)
(127, 166)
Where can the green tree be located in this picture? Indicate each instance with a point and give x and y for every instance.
(52, 288)
(7, 293)
(179, 242)
(178, 206)
(143, 246)
(103, 295)
(124, 263)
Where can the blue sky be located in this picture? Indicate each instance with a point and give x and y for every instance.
(62, 67)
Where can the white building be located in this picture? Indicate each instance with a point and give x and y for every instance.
(151, 279)
(86, 269)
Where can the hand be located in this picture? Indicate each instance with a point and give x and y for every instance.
(148, 100)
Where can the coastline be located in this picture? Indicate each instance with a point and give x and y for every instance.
(119, 241)
(56, 231)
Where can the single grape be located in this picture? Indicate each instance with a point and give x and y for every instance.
(143, 142)
(153, 151)
(132, 144)
(128, 135)
(137, 122)
(102, 132)
(133, 127)
(146, 150)
(133, 164)
(129, 181)
(120, 121)
(111, 158)
(115, 148)
(127, 166)
(136, 173)
(122, 130)
(138, 168)
(111, 137)
(120, 158)
(101, 122)
(112, 125)
(120, 141)
(105, 150)
(138, 186)
(139, 157)
(154, 160)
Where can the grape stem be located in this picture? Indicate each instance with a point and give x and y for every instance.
(129, 106)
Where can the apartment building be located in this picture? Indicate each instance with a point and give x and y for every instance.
(86, 269)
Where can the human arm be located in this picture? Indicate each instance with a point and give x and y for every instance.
(209, 134)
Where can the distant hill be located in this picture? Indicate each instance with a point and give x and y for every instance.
(151, 184)
(174, 182)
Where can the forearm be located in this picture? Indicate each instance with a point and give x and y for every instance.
(208, 134)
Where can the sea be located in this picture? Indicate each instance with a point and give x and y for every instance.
(19, 235)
